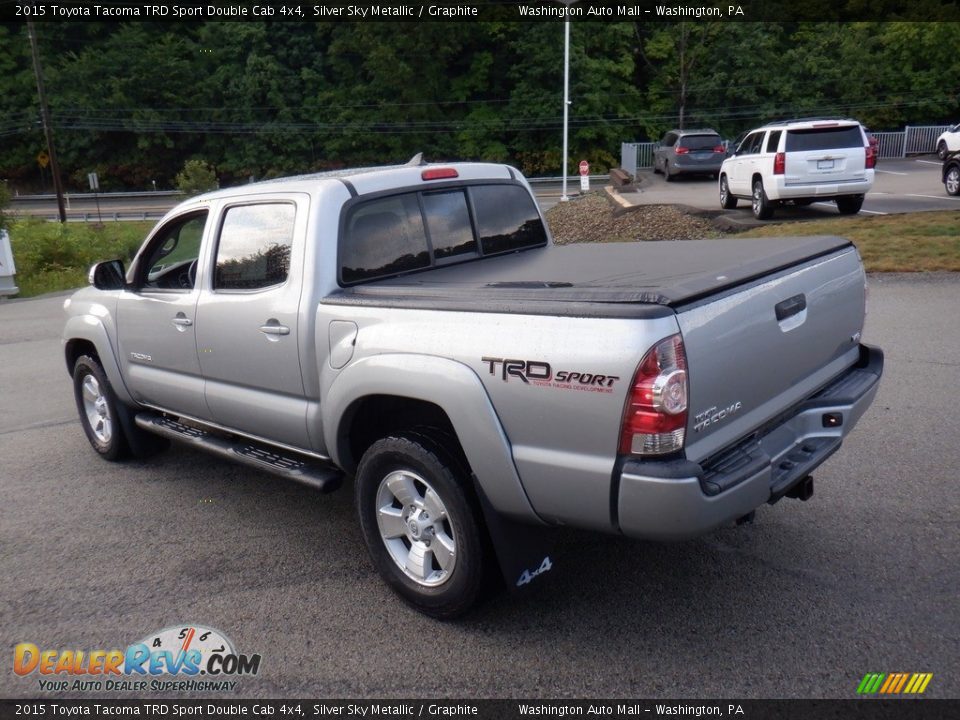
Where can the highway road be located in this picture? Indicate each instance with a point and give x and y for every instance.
(910, 185)
(802, 603)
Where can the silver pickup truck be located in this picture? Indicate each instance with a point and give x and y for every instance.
(415, 329)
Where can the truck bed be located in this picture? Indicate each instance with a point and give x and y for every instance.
(639, 279)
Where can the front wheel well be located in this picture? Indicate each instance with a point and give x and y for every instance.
(374, 417)
(74, 349)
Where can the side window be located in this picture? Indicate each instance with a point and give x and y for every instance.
(384, 237)
(669, 139)
(751, 146)
(171, 259)
(774, 141)
(253, 250)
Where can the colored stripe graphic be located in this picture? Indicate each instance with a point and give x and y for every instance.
(903, 680)
(870, 683)
(894, 683)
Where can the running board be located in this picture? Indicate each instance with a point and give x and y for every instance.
(302, 469)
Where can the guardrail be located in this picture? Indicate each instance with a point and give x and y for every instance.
(89, 216)
(570, 179)
(50, 197)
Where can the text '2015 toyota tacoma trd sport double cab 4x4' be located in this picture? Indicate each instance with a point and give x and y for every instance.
(415, 328)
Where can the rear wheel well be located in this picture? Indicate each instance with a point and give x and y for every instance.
(377, 416)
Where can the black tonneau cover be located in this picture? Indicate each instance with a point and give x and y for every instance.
(657, 273)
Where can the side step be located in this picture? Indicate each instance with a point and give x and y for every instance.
(302, 469)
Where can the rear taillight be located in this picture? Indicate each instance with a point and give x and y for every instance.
(719, 148)
(871, 161)
(655, 416)
(680, 150)
(780, 163)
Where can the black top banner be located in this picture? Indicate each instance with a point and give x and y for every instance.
(602, 11)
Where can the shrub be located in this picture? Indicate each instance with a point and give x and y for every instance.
(196, 177)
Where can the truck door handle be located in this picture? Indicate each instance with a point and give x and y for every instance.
(790, 307)
(274, 329)
(182, 320)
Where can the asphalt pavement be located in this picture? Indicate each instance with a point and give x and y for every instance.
(802, 603)
(902, 185)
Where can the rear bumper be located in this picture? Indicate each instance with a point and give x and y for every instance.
(780, 190)
(691, 167)
(676, 500)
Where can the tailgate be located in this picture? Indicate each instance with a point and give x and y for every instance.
(755, 352)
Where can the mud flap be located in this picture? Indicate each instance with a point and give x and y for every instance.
(524, 552)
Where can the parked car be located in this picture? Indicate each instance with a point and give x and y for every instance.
(689, 152)
(951, 173)
(800, 161)
(416, 329)
(948, 142)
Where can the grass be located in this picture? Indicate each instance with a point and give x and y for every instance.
(911, 242)
(51, 256)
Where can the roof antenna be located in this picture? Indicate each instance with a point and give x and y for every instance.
(416, 161)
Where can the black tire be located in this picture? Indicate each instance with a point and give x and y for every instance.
(942, 149)
(951, 181)
(432, 485)
(98, 409)
(727, 201)
(760, 205)
(108, 423)
(849, 204)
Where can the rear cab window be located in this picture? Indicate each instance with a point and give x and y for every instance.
(416, 230)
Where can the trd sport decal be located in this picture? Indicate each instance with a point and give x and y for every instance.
(540, 373)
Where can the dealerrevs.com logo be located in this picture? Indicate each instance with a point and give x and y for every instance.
(178, 658)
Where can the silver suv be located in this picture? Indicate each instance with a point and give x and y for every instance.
(800, 161)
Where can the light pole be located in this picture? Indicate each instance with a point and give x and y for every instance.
(566, 93)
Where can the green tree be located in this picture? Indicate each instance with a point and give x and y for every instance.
(196, 177)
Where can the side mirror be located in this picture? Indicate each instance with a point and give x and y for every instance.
(107, 275)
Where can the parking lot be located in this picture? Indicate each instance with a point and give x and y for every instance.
(862, 578)
(908, 185)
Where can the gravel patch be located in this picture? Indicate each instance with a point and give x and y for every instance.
(590, 218)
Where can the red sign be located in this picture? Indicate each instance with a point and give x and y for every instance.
(584, 167)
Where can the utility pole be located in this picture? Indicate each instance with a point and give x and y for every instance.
(566, 94)
(45, 117)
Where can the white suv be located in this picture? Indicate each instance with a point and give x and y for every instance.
(948, 142)
(800, 161)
